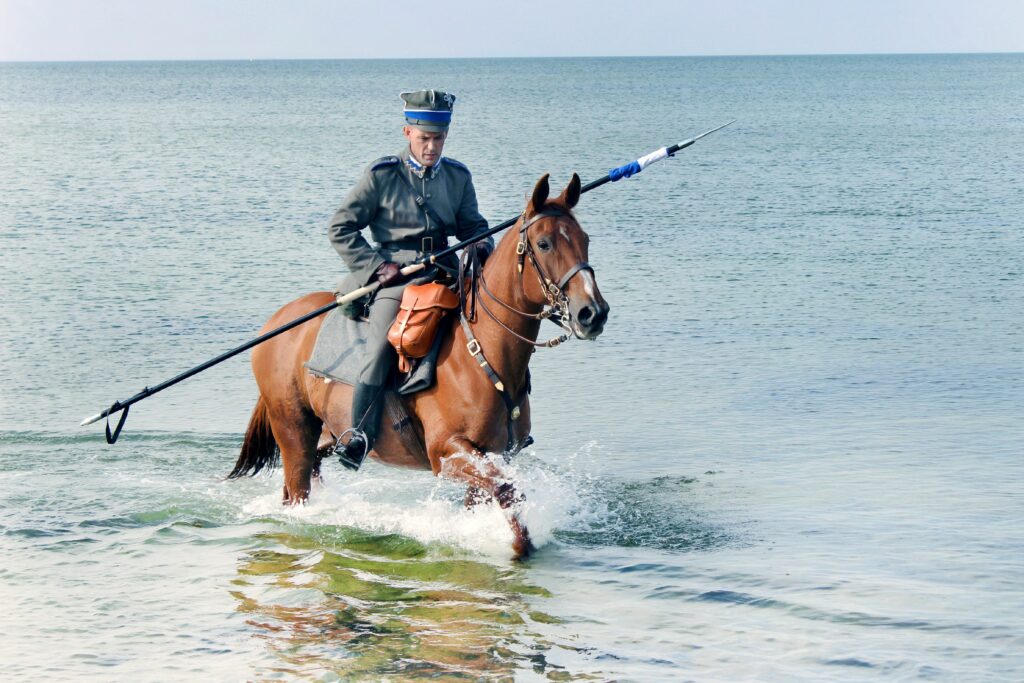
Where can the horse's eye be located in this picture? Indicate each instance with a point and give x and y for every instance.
(544, 245)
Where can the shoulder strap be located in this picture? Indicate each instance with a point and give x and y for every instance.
(457, 164)
(384, 161)
(421, 201)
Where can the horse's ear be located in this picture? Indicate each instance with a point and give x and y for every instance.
(571, 194)
(540, 195)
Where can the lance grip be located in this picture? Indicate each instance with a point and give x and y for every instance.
(342, 299)
(414, 268)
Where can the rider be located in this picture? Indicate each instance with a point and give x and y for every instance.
(412, 203)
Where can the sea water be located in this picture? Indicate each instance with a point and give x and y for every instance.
(794, 454)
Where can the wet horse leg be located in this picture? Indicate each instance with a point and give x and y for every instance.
(465, 462)
(474, 496)
(296, 432)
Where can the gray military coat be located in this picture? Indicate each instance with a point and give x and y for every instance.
(385, 204)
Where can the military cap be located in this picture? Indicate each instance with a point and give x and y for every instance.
(429, 110)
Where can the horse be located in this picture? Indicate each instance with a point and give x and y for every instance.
(479, 403)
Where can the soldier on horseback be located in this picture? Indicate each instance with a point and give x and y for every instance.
(411, 202)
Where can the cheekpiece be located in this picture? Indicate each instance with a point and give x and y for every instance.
(429, 110)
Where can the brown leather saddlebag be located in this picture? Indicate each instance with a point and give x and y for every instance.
(419, 315)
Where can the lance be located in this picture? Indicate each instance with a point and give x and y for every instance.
(624, 171)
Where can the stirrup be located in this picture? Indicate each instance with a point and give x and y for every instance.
(352, 454)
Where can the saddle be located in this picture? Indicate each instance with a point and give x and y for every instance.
(340, 354)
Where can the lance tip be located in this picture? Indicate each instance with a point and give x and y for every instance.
(714, 130)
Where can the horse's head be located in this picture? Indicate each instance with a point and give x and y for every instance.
(554, 247)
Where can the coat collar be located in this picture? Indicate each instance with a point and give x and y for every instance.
(416, 167)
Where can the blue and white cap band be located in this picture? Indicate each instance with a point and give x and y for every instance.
(427, 116)
(428, 109)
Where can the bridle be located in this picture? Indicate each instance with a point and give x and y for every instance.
(557, 309)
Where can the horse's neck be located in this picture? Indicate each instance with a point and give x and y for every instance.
(508, 355)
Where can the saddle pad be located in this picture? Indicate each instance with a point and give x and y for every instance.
(340, 353)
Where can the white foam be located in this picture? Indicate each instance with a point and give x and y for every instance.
(415, 504)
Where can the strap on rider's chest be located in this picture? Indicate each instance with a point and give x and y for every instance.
(421, 201)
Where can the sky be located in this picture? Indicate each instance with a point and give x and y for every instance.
(75, 30)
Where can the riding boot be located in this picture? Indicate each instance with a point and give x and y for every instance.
(367, 405)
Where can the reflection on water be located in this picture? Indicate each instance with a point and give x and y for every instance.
(339, 601)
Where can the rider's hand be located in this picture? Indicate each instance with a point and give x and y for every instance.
(389, 273)
(483, 250)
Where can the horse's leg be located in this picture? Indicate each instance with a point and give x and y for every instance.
(277, 367)
(474, 496)
(297, 432)
(323, 449)
(465, 462)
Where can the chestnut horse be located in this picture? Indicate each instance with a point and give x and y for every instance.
(540, 264)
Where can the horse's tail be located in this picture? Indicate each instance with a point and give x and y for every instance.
(259, 449)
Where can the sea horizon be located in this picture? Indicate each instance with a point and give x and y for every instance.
(510, 57)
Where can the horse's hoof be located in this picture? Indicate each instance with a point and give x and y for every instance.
(292, 501)
(522, 553)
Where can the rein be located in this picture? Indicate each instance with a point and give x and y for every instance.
(557, 309)
(544, 314)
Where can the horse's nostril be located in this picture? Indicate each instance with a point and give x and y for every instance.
(586, 315)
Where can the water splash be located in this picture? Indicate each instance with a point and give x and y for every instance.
(431, 510)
